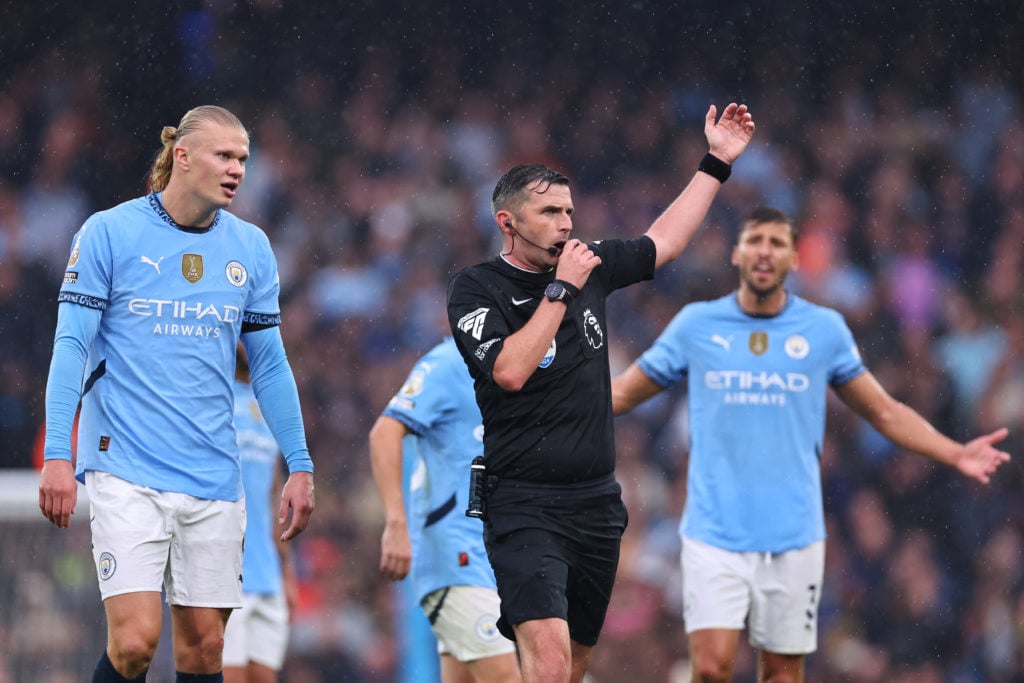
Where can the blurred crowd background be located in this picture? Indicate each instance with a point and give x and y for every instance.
(890, 131)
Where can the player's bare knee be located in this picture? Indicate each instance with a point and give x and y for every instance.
(711, 670)
(131, 654)
(552, 664)
(208, 650)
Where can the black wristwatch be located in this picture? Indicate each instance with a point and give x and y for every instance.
(560, 290)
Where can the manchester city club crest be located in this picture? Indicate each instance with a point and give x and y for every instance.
(797, 346)
(236, 272)
(487, 628)
(107, 566)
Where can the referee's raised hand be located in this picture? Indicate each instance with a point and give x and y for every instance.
(731, 133)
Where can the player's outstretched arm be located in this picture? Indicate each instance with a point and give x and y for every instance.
(979, 459)
(905, 427)
(632, 388)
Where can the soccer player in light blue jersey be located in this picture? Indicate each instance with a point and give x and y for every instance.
(157, 292)
(435, 541)
(256, 636)
(758, 363)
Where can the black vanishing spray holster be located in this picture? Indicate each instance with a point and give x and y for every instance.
(480, 485)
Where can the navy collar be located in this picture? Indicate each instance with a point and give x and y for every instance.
(158, 206)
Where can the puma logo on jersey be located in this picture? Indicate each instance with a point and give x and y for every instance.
(155, 264)
(473, 323)
(722, 341)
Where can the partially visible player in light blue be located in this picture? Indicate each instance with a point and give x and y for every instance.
(256, 635)
(758, 363)
(451, 575)
(157, 292)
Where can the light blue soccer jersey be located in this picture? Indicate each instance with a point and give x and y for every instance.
(438, 404)
(261, 565)
(157, 402)
(757, 417)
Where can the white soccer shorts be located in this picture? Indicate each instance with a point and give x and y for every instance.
(258, 632)
(775, 595)
(465, 621)
(148, 540)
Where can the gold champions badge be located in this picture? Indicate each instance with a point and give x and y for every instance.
(192, 267)
(758, 342)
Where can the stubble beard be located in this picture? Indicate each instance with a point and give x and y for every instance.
(762, 294)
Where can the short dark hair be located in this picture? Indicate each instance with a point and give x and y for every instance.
(767, 214)
(508, 193)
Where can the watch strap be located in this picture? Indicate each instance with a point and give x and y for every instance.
(572, 290)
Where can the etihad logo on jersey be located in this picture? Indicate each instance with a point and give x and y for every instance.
(744, 387)
(473, 323)
(758, 381)
(185, 319)
(192, 267)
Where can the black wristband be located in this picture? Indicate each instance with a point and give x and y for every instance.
(715, 167)
(570, 288)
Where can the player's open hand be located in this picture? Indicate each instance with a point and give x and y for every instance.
(296, 504)
(58, 492)
(395, 552)
(729, 135)
(979, 459)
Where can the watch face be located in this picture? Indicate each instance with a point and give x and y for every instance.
(555, 291)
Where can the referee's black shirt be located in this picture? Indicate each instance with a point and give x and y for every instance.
(558, 427)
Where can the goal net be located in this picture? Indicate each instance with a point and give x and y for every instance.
(52, 626)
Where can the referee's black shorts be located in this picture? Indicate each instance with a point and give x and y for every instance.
(555, 550)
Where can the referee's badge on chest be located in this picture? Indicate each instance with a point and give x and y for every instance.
(592, 329)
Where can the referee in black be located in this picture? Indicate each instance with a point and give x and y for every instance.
(530, 325)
